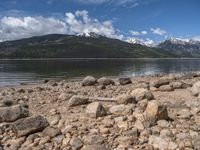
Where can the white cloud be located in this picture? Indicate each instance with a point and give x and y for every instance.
(80, 23)
(137, 33)
(196, 38)
(12, 28)
(16, 28)
(158, 31)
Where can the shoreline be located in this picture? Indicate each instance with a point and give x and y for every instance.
(158, 111)
(97, 58)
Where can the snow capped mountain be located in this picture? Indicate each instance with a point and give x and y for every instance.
(182, 47)
(183, 41)
(146, 42)
(90, 34)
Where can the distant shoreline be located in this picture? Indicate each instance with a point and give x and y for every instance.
(93, 58)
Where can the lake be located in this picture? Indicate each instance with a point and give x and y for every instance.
(14, 72)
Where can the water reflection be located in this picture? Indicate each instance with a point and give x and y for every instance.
(17, 71)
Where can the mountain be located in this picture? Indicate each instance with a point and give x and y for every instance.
(71, 46)
(181, 47)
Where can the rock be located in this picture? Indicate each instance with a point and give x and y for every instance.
(94, 147)
(89, 81)
(139, 125)
(64, 96)
(197, 120)
(106, 81)
(93, 139)
(95, 110)
(196, 89)
(160, 82)
(133, 132)
(176, 85)
(162, 143)
(124, 81)
(166, 88)
(142, 93)
(13, 113)
(76, 143)
(197, 143)
(121, 109)
(184, 113)
(163, 123)
(77, 100)
(126, 140)
(30, 125)
(51, 132)
(7, 103)
(125, 99)
(155, 112)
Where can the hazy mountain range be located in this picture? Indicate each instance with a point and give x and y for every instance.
(94, 46)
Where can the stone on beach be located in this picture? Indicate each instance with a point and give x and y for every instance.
(106, 81)
(196, 89)
(78, 100)
(124, 81)
(13, 113)
(95, 110)
(121, 109)
(142, 93)
(166, 88)
(160, 82)
(30, 125)
(125, 99)
(155, 112)
(88, 81)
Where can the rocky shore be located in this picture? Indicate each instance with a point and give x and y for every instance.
(152, 112)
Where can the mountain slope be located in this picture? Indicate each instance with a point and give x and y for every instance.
(70, 46)
(182, 48)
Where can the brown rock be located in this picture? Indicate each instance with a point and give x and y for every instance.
(124, 81)
(95, 110)
(125, 99)
(89, 81)
(155, 112)
(77, 100)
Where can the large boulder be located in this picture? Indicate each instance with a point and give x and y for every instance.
(160, 82)
(88, 81)
(13, 113)
(166, 88)
(106, 81)
(142, 93)
(124, 81)
(155, 112)
(196, 89)
(77, 100)
(121, 109)
(30, 125)
(95, 110)
(125, 99)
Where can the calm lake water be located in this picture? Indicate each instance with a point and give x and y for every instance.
(14, 72)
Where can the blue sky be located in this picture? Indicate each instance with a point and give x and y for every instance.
(149, 20)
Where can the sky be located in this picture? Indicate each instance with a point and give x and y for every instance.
(150, 21)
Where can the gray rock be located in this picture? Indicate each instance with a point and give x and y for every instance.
(106, 81)
(76, 143)
(95, 147)
(163, 123)
(95, 110)
(166, 88)
(196, 89)
(125, 99)
(77, 100)
(160, 82)
(124, 81)
(51, 132)
(13, 113)
(93, 139)
(30, 125)
(133, 132)
(121, 109)
(155, 112)
(142, 93)
(176, 85)
(162, 143)
(89, 81)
